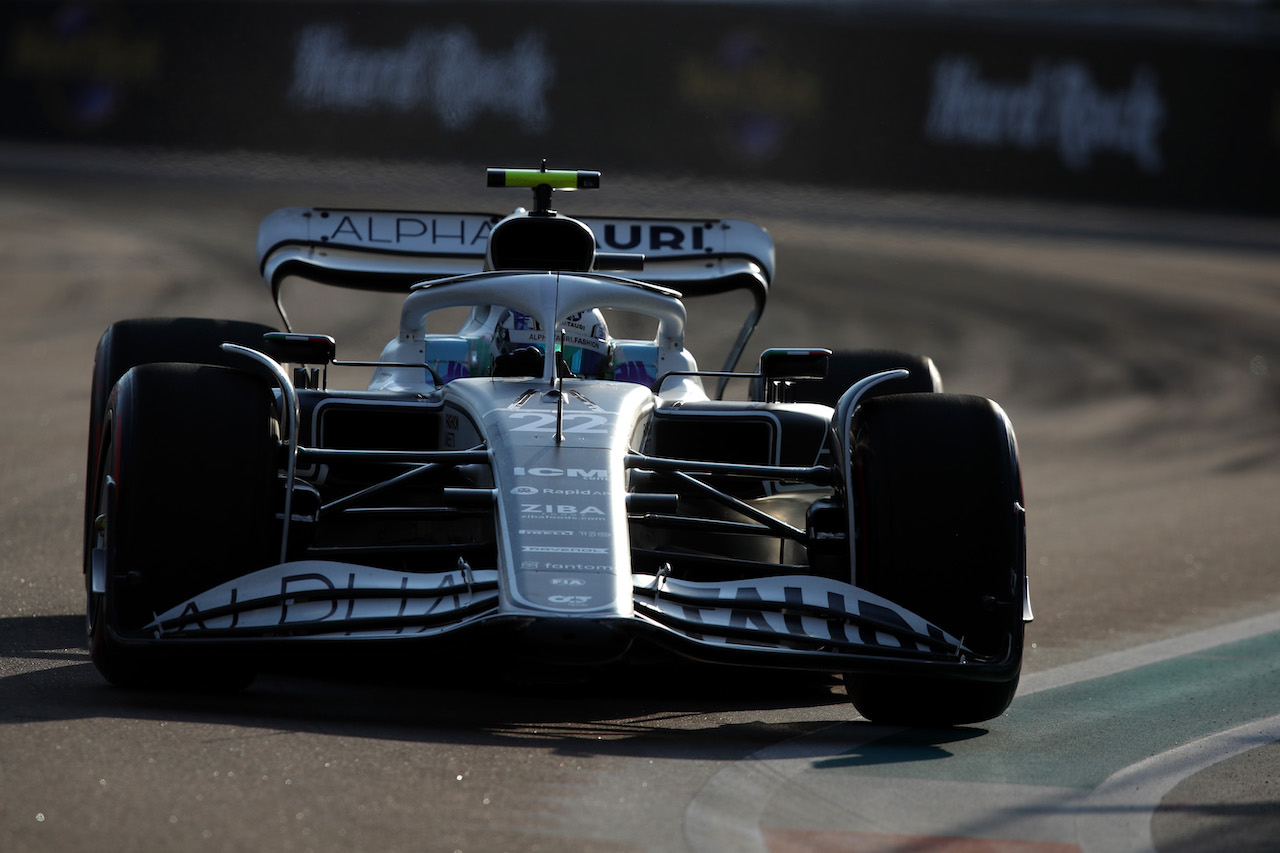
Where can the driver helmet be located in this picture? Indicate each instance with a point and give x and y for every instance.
(585, 346)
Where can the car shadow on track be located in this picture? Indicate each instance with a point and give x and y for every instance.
(694, 713)
(901, 746)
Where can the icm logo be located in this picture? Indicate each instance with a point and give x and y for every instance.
(580, 473)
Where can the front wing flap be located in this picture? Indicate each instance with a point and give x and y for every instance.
(794, 620)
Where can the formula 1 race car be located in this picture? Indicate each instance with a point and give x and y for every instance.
(531, 491)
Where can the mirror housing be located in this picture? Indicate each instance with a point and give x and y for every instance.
(296, 348)
(779, 366)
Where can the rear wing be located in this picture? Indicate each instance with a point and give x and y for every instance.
(390, 251)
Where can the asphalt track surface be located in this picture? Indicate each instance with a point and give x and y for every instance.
(1137, 353)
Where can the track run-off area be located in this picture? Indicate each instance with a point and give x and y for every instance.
(1137, 353)
(1098, 746)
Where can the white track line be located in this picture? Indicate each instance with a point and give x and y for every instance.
(1162, 650)
(1116, 816)
(725, 813)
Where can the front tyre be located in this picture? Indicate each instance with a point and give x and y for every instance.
(186, 499)
(943, 534)
(129, 343)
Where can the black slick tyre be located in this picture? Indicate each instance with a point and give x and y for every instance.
(942, 534)
(186, 499)
(129, 343)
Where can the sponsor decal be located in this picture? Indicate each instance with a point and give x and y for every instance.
(766, 610)
(551, 549)
(569, 599)
(277, 597)
(405, 231)
(653, 238)
(1058, 107)
(579, 473)
(581, 534)
(525, 490)
(537, 566)
(562, 511)
(444, 72)
(451, 425)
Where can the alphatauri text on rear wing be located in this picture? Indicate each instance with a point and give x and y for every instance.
(393, 250)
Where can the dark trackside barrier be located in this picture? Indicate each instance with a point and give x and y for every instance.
(1184, 111)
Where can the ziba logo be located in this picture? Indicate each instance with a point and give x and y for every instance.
(560, 509)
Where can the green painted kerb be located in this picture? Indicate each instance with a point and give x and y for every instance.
(1078, 735)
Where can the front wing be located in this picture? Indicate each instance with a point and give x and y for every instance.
(795, 621)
